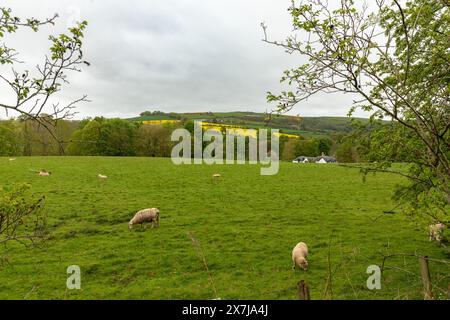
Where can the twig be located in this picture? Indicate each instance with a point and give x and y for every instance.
(329, 287)
(202, 257)
(30, 292)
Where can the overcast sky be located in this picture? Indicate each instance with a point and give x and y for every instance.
(174, 56)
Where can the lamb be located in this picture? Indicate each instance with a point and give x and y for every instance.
(215, 176)
(436, 232)
(44, 173)
(299, 254)
(150, 215)
(102, 177)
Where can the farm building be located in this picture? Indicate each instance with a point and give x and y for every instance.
(320, 159)
(303, 159)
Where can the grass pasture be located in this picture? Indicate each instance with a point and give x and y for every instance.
(247, 225)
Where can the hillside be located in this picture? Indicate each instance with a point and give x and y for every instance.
(306, 126)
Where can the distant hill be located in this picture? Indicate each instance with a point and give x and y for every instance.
(306, 126)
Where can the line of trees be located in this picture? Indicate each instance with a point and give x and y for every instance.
(118, 137)
(26, 137)
(90, 137)
(306, 147)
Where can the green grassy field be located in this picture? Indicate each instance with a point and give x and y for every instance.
(247, 225)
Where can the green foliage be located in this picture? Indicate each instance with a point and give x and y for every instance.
(308, 148)
(420, 201)
(20, 216)
(11, 142)
(151, 113)
(10, 24)
(395, 57)
(64, 43)
(324, 145)
(387, 143)
(347, 152)
(189, 126)
(107, 137)
(153, 141)
(293, 148)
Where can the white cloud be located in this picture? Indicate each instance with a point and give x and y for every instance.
(172, 55)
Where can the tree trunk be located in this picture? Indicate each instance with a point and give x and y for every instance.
(426, 280)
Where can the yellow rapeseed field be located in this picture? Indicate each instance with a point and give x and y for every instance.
(240, 131)
(160, 121)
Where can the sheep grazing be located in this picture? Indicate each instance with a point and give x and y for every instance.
(150, 215)
(215, 176)
(44, 173)
(299, 254)
(12, 159)
(102, 177)
(436, 231)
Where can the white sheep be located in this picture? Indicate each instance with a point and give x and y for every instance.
(436, 232)
(44, 173)
(215, 176)
(299, 254)
(102, 177)
(12, 159)
(150, 215)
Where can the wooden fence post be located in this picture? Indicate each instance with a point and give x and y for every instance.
(303, 290)
(426, 280)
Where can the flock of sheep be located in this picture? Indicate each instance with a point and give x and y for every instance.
(299, 253)
(151, 215)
